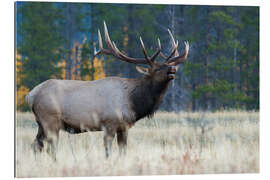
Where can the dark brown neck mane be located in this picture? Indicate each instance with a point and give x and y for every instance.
(146, 96)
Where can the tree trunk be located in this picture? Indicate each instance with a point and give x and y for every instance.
(76, 62)
(193, 99)
(130, 47)
(206, 76)
(68, 48)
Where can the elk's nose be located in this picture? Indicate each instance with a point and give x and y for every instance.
(172, 69)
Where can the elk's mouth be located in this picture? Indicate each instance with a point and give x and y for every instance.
(171, 73)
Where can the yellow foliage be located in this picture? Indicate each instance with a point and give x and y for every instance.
(99, 71)
(20, 96)
(62, 65)
(22, 90)
(125, 41)
(18, 68)
(76, 62)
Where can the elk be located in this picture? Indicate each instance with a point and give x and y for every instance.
(112, 104)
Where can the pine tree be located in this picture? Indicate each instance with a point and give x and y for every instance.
(40, 42)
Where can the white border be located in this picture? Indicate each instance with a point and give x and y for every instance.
(7, 86)
(187, 2)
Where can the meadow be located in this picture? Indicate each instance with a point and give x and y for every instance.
(167, 144)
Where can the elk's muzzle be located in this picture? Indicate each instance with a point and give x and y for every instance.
(171, 72)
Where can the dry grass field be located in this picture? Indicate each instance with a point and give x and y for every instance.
(168, 144)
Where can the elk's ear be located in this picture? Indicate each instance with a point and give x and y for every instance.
(142, 70)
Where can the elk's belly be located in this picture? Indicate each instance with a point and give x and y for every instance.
(81, 120)
(91, 111)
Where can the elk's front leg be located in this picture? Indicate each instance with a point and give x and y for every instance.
(122, 141)
(108, 138)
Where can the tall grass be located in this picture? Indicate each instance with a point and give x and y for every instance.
(168, 144)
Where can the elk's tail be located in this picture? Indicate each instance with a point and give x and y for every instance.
(30, 97)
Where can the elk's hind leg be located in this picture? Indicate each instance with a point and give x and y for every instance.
(38, 144)
(53, 144)
(109, 134)
(122, 141)
(52, 131)
(50, 127)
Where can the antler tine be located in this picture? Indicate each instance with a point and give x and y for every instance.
(174, 46)
(119, 54)
(101, 49)
(145, 53)
(174, 58)
(163, 56)
(100, 45)
(107, 38)
(180, 59)
(173, 42)
(159, 44)
(143, 48)
(113, 48)
(157, 52)
(100, 40)
(114, 45)
(176, 52)
(173, 52)
(95, 49)
(171, 36)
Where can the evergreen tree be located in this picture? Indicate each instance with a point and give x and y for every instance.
(73, 25)
(40, 42)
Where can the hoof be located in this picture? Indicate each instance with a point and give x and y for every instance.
(36, 147)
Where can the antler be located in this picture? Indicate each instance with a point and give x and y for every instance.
(174, 58)
(113, 50)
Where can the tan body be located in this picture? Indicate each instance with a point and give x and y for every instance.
(80, 106)
(85, 104)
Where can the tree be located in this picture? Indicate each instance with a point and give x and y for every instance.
(39, 46)
(249, 56)
(73, 24)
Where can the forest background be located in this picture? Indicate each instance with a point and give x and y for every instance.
(55, 40)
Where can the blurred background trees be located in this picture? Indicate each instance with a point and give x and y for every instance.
(55, 40)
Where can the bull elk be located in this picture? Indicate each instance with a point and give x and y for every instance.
(112, 104)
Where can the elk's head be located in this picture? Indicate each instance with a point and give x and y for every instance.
(158, 71)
